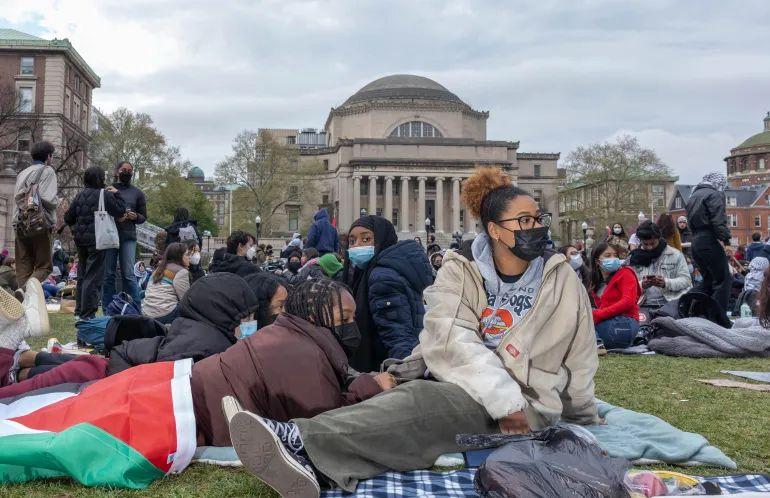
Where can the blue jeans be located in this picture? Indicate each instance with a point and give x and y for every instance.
(50, 290)
(127, 253)
(618, 332)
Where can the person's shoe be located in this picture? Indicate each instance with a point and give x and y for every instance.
(34, 308)
(230, 406)
(260, 445)
(10, 307)
(600, 349)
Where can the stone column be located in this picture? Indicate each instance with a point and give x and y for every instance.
(439, 204)
(343, 198)
(372, 194)
(404, 214)
(388, 213)
(456, 205)
(420, 227)
(356, 198)
(7, 188)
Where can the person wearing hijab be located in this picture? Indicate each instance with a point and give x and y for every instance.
(387, 278)
(708, 221)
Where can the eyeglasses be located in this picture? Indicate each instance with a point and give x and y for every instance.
(526, 222)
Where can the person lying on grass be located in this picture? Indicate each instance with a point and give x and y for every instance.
(509, 337)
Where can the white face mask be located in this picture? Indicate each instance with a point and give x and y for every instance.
(617, 231)
(576, 261)
(195, 258)
(251, 253)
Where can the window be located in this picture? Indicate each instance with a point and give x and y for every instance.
(394, 220)
(762, 163)
(23, 145)
(396, 188)
(325, 199)
(293, 219)
(364, 187)
(293, 193)
(678, 202)
(27, 66)
(326, 164)
(291, 140)
(732, 201)
(67, 100)
(380, 188)
(25, 99)
(757, 222)
(733, 219)
(537, 195)
(415, 129)
(537, 170)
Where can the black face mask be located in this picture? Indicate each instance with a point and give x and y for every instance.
(125, 177)
(530, 244)
(436, 266)
(294, 266)
(349, 337)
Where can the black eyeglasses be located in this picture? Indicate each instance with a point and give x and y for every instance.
(526, 222)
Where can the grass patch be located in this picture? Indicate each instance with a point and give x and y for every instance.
(734, 420)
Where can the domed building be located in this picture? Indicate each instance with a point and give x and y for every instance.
(401, 147)
(749, 163)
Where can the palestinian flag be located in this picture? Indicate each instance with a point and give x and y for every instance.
(122, 431)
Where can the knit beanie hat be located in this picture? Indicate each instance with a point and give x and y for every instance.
(329, 264)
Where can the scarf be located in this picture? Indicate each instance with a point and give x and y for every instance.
(640, 257)
(716, 180)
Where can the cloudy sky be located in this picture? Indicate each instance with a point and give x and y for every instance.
(690, 79)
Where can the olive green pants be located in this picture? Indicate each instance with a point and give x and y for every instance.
(402, 429)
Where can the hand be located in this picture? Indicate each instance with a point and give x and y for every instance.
(659, 282)
(385, 381)
(646, 283)
(515, 423)
(123, 218)
(111, 189)
(131, 215)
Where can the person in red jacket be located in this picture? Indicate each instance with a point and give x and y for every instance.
(615, 292)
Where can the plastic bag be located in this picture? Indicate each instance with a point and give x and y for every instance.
(552, 462)
(664, 483)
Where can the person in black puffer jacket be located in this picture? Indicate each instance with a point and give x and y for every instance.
(80, 217)
(209, 314)
(388, 278)
(182, 220)
(708, 221)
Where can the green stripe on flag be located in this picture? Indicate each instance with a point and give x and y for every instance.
(84, 452)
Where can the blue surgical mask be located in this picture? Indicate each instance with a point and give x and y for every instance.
(690, 269)
(248, 328)
(611, 264)
(360, 256)
(576, 261)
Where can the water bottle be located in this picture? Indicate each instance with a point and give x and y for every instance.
(745, 310)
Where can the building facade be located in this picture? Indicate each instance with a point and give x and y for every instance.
(582, 203)
(218, 195)
(53, 87)
(749, 163)
(401, 147)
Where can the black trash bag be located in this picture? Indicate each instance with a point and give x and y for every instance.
(554, 462)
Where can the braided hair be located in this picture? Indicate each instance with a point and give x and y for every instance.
(314, 300)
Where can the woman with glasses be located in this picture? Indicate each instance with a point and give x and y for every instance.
(508, 338)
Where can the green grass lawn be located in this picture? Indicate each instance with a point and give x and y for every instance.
(734, 420)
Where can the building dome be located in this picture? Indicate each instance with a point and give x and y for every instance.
(403, 86)
(749, 162)
(195, 173)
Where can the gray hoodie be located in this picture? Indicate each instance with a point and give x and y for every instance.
(508, 302)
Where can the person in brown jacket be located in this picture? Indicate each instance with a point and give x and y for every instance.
(295, 367)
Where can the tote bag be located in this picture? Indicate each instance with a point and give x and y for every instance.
(104, 227)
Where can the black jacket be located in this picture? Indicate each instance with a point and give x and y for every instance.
(136, 202)
(208, 316)
(172, 231)
(80, 215)
(232, 263)
(706, 212)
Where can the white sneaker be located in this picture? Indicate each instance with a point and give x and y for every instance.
(230, 406)
(262, 452)
(10, 307)
(35, 309)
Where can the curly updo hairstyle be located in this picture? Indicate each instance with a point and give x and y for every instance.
(487, 192)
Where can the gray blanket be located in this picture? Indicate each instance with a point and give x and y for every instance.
(700, 338)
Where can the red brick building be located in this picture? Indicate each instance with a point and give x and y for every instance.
(749, 163)
(748, 210)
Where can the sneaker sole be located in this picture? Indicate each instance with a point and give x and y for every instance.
(263, 454)
(34, 290)
(10, 307)
(230, 406)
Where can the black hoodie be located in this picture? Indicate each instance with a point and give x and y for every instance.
(208, 315)
(232, 263)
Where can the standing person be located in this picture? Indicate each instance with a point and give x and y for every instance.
(615, 291)
(756, 248)
(183, 228)
(33, 251)
(80, 217)
(669, 231)
(136, 214)
(322, 235)
(388, 278)
(618, 237)
(169, 283)
(708, 221)
(60, 257)
(237, 257)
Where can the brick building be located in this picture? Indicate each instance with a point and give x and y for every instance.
(749, 163)
(218, 195)
(748, 210)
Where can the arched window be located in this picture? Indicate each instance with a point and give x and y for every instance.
(416, 129)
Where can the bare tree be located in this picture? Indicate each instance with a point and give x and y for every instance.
(15, 124)
(269, 176)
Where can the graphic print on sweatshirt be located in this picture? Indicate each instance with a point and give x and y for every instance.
(504, 311)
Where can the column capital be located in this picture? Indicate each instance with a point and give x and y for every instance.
(422, 178)
(456, 179)
(373, 177)
(406, 178)
(390, 178)
(439, 178)
(357, 177)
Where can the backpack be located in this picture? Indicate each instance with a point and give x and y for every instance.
(187, 232)
(31, 220)
(122, 304)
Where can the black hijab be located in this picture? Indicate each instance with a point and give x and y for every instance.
(358, 279)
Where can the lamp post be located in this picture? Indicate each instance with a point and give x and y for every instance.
(258, 222)
(207, 234)
(584, 226)
(427, 226)
(362, 213)
(641, 217)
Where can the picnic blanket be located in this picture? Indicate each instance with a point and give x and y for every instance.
(460, 483)
(757, 376)
(699, 338)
